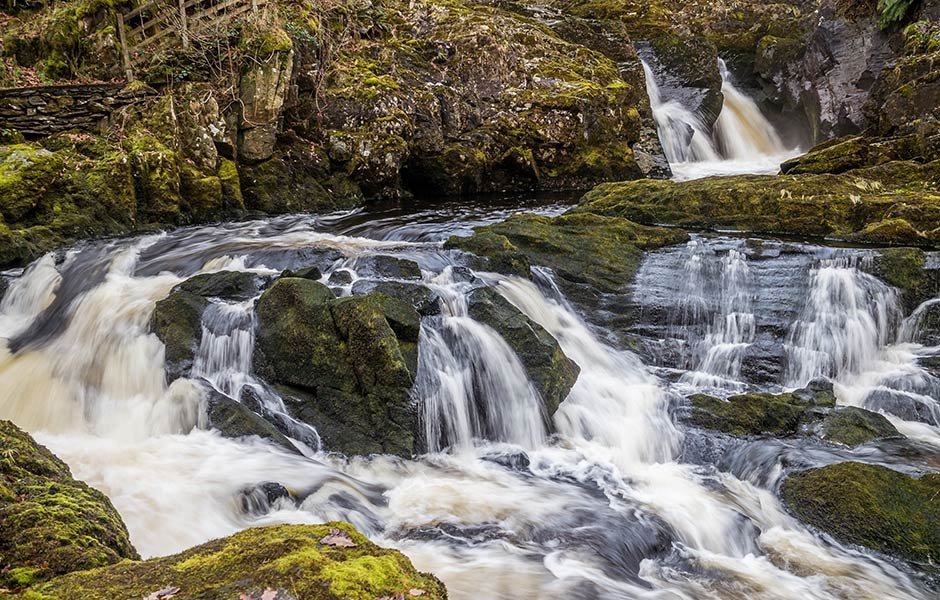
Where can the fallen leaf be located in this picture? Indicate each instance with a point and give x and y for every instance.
(339, 538)
(164, 594)
(416, 592)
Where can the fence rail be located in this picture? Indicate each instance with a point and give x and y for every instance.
(162, 24)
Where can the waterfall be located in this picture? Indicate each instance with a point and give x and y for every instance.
(742, 131)
(472, 384)
(731, 325)
(741, 141)
(498, 508)
(848, 317)
(683, 134)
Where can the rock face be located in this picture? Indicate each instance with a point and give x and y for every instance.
(345, 366)
(552, 373)
(51, 524)
(871, 506)
(309, 562)
(894, 203)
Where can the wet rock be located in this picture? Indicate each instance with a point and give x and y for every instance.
(344, 366)
(552, 373)
(748, 414)
(259, 499)
(852, 426)
(280, 562)
(599, 251)
(177, 321)
(907, 270)
(818, 392)
(232, 419)
(424, 300)
(340, 277)
(387, 267)
(51, 524)
(231, 285)
(310, 272)
(910, 407)
(861, 205)
(762, 362)
(871, 506)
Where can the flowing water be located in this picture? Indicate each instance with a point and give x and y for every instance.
(605, 507)
(742, 140)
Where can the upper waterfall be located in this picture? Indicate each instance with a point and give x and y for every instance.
(742, 140)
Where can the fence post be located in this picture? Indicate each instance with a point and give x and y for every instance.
(125, 55)
(185, 32)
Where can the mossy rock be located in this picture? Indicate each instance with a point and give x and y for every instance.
(852, 426)
(51, 524)
(551, 372)
(748, 414)
(233, 419)
(232, 285)
(348, 365)
(313, 562)
(872, 506)
(603, 252)
(177, 321)
(895, 203)
(905, 269)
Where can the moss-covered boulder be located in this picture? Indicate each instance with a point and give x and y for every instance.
(602, 252)
(233, 419)
(851, 426)
(313, 562)
(906, 269)
(50, 524)
(897, 203)
(230, 285)
(552, 373)
(177, 321)
(871, 506)
(748, 414)
(345, 366)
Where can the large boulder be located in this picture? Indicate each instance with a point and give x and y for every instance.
(345, 366)
(309, 562)
(872, 506)
(550, 371)
(897, 203)
(232, 419)
(51, 524)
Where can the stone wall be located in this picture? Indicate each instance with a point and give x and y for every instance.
(41, 111)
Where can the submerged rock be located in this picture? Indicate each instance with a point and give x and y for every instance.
(51, 524)
(345, 366)
(552, 373)
(283, 561)
(871, 506)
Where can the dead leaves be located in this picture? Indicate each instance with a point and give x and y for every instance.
(338, 538)
(164, 594)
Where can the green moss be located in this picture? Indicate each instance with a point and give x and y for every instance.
(748, 414)
(871, 506)
(892, 203)
(604, 252)
(288, 558)
(51, 524)
(852, 426)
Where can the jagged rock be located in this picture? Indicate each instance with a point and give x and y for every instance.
(282, 562)
(263, 89)
(552, 373)
(349, 363)
(177, 321)
(232, 419)
(51, 524)
(870, 505)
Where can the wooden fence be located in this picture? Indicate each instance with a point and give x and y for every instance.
(162, 24)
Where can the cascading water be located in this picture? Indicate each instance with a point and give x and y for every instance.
(601, 509)
(741, 141)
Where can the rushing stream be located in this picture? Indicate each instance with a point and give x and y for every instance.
(612, 505)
